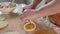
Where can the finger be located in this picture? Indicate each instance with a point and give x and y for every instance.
(24, 9)
(24, 19)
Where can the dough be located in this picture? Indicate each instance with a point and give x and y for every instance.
(1, 6)
(2, 18)
(11, 6)
(30, 26)
(3, 24)
(10, 33)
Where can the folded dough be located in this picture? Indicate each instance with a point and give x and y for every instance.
(2, 18)
(3, 24)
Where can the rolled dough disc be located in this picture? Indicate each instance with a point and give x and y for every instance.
(10, 33)
(3, 24)
(2, 18)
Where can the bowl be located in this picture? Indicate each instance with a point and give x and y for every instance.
(7, 7)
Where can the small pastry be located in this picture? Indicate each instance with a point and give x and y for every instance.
(2, 18)
(1, 6)
(11, 6)
(30, 26)
(3, 24)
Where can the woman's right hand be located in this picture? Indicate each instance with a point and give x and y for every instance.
(27, 7)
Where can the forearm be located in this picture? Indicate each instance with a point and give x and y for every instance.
(50, 10)
(47, 1)
(34, 3)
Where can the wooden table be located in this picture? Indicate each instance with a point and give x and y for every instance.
(55, 19)
(16, 25)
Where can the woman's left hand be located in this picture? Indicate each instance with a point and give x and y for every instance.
(29, 14)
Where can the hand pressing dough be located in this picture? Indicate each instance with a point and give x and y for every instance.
(3, 24)
(10, 33)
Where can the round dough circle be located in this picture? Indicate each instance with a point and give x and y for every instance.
(10, 33)
(2, 18)
(3, 24)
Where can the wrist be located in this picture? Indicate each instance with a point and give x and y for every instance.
(32, 6)
(37, 13)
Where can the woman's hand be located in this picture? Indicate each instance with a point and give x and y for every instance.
(29, 14)
(27, 7)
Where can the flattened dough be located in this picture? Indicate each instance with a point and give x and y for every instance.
(3, 24)
(10, 33)
(2, 18)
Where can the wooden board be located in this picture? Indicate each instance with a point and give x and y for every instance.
(55, 19)
(15, 24)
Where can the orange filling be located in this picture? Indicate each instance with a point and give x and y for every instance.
(29, 26)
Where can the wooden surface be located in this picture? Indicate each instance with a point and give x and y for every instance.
(15, 24)
(43, 30)
(55, 19)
